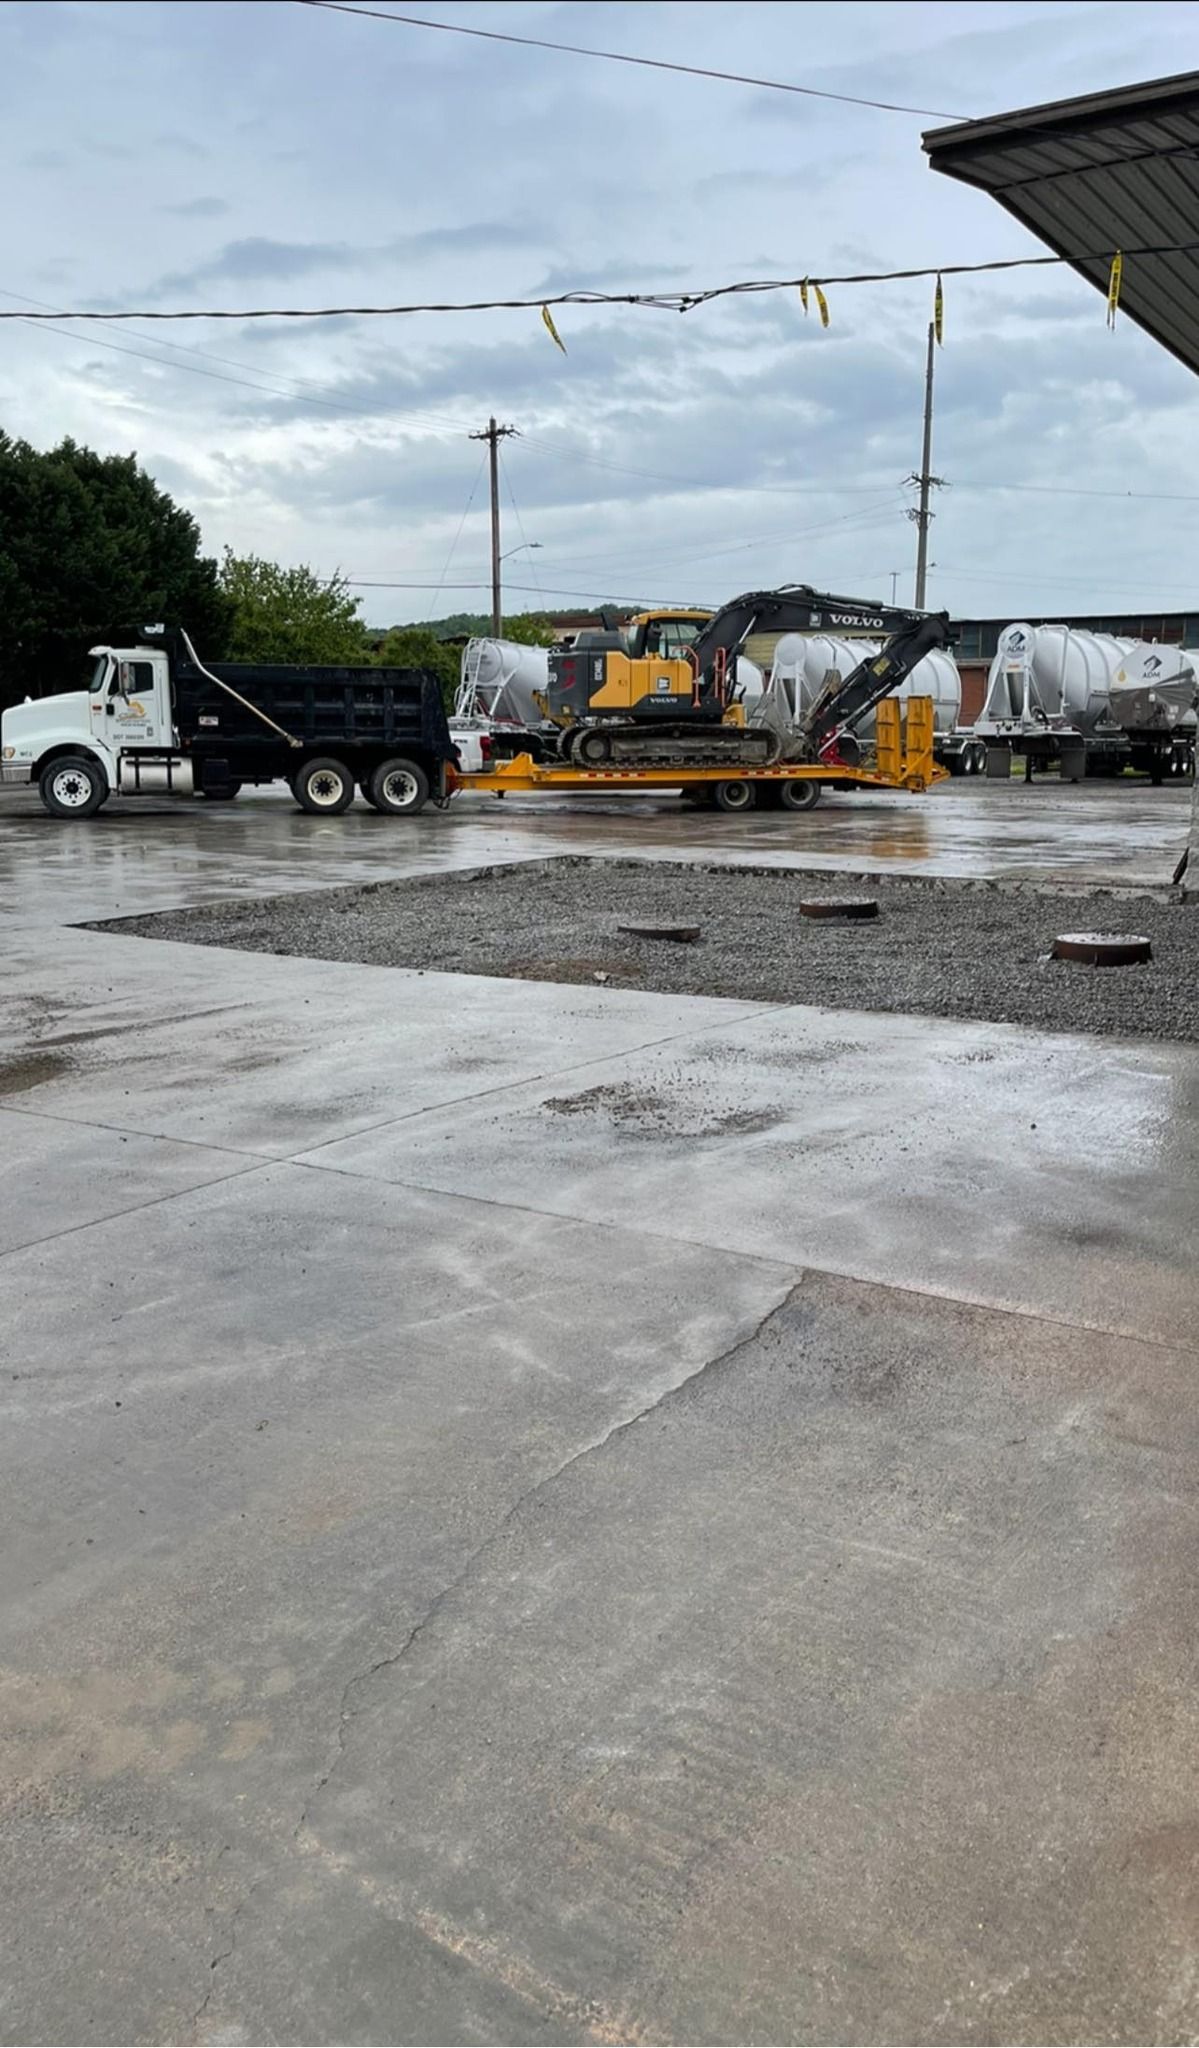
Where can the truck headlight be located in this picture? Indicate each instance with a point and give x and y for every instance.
(9, 753)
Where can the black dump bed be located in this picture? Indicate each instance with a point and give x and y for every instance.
(390, 707)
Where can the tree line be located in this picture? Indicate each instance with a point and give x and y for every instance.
(92, 550)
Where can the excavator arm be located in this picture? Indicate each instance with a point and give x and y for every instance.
(797, 608)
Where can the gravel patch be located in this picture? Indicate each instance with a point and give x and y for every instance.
(949, 950)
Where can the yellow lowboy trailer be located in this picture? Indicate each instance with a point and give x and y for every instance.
(902, 759)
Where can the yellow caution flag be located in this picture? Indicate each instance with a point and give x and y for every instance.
(803, 295)
(939, 310)
(551, 329)
(822, 302)
(1115, 280)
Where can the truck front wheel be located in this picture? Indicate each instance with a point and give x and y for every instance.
(324, 787)
(72, 787)
(400, 788)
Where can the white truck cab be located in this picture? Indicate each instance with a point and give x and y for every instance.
(117, 735)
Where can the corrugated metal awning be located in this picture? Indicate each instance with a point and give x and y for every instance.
(1114, 170)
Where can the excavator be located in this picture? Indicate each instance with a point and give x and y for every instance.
(616, 699)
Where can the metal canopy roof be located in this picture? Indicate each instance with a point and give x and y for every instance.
(1114, 170)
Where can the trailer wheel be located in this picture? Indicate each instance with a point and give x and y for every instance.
(400, 788)
(736, 795)
(72, 787)
(799, 796)
(324, 787)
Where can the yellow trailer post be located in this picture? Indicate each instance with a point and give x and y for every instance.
(903, 759)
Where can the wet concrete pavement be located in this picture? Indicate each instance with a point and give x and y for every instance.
(145, 857)
(543, 1513)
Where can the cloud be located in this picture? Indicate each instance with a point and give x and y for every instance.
(257, 259)
(203, 208)
(598, 276)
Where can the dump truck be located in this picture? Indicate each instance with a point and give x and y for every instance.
(154, 720)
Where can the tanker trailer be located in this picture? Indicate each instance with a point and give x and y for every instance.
(803, 663)
(1154, 695)
(1049, 698)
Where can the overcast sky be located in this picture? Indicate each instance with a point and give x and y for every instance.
(246, 153)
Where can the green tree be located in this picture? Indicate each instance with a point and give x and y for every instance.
(289, 615)
(90, 550)
(417, 647)
(529, 629)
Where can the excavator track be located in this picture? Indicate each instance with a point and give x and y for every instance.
(623, 746)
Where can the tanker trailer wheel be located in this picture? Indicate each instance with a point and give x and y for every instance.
(799, 796)
(735, 796)
(400, 788)
(324, 787)
(72, 787)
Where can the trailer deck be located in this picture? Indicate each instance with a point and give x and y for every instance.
(903, 759)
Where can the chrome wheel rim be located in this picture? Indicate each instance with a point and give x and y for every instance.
(71, 788)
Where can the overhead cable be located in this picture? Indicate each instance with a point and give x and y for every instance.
(667, 301)
(495, 35)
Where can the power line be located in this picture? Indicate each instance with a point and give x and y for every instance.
(45, 325)
(865, 516)
(365, 583)
(461, 523)
(665, 301)
(492, 35)
(1079, 491)
(1030, 577)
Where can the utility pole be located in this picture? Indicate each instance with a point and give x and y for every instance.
(493, 435)
(926, 480)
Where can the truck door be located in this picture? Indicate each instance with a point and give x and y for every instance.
(137, 710)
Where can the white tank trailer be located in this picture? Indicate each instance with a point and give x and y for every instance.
(497, 681)
(1052, 694)
(803, 663)
(1156, 688)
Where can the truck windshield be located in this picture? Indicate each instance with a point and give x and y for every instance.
(98, 674)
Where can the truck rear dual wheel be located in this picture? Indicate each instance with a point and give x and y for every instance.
(72, 787)
(323, 787)
(398, 788)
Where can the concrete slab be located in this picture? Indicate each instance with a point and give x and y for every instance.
(301, 1405)
(878, 1755)
(1058, 1176)
(60, 1176)
(269, 1055)
(896, 1744)
(513, 1613)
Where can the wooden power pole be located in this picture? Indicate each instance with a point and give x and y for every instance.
(926, 480)
(493, 435)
